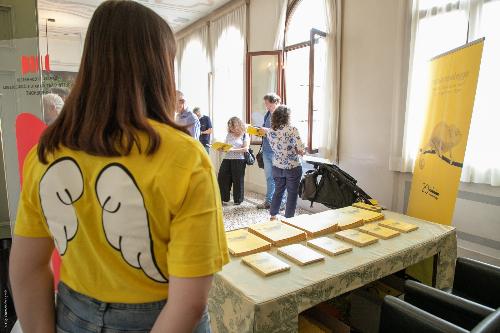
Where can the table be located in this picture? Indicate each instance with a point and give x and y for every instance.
(243, 301)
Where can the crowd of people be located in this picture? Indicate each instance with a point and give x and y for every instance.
(281, 151)
(122, 187)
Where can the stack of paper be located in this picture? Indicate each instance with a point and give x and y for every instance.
(398, 226)
(378, 231)
(300, 254)
(313, 225)
(344, 217)
(242, 243)
(368, 216)
(278, 233)
(265, 264)
(221, 146)
(255, 130)
(362, 205)
(329, 246)
(356, 237)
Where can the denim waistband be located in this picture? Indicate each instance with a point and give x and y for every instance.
(71, 297)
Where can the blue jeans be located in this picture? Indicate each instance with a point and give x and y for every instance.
(288, 179)
(268, 170)
(77, 313)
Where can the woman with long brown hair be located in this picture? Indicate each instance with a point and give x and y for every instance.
(114, 185)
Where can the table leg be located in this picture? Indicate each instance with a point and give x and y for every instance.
(445, 263)
(435, 260)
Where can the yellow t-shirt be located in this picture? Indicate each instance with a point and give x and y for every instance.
(123, 225)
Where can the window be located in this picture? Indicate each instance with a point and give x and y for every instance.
(229, 80)
(305, 69)
(441, 26)
(194, 75)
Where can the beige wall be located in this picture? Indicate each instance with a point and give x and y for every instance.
(374, 67)
(372, 43)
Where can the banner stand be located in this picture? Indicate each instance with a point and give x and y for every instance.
(439, 163)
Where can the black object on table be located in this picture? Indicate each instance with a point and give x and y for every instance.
(329, 185)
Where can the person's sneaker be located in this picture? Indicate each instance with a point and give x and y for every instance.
(264, 205)
(225, 203)
(237, 203)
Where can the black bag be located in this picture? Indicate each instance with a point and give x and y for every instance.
(249, 157)
(308, 186)
(260, 158)
(331, 186)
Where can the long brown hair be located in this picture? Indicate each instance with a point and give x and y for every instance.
(126, 77)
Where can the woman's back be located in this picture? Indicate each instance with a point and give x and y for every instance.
(124, 224)
(127, 197)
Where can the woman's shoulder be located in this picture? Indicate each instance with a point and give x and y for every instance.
(177, 145)
(172, 134)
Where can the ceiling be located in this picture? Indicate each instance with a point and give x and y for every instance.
(74, 15)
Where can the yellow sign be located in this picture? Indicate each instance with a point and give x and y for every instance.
(436, 176)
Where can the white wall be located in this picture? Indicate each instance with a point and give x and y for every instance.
(65, 51)
(369, 54)
(372, 82)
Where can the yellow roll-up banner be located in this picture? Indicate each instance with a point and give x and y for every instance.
(436, 175)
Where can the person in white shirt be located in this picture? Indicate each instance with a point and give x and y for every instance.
(232, 169)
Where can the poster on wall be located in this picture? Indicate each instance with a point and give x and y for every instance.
(436, 175)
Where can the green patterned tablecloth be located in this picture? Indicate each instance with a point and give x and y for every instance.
(243, 301)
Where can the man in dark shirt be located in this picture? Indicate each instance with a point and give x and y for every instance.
(205, 129)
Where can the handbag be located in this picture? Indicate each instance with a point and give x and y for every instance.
(249, 156)
(260, 158)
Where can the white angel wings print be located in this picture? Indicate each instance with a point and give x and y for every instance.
(61, 186)
(124, 215)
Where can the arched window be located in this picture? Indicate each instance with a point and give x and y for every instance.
(305, 15)
(305, 28)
